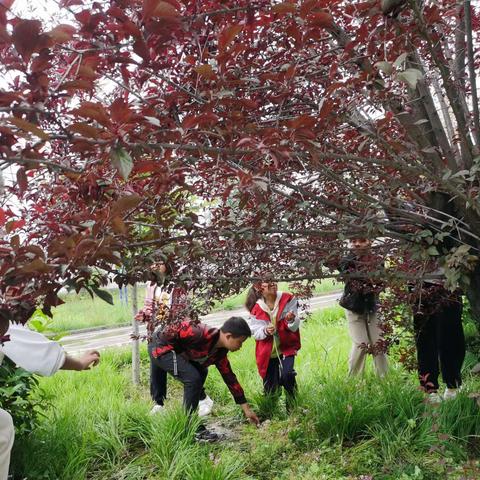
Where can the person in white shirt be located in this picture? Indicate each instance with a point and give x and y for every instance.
(37, 354)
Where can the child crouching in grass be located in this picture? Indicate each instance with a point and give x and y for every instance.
(275, 323)
(186, 350)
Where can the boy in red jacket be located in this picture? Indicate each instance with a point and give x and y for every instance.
(188, 349)
(275, 323)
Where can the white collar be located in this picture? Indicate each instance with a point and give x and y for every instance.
(262, 304)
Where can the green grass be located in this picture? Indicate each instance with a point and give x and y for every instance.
(98, 425)
(81, 311)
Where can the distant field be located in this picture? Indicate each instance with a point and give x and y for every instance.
(81, 311)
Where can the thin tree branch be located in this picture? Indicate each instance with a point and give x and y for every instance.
(38, 161)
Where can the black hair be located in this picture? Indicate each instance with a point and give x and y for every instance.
(237, 326)
(252, 296)
(170, 269)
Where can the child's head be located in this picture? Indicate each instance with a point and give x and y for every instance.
(360, 244)
(161, 270)
(262, 289)
(234, 332)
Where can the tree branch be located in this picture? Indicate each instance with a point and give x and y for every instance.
(38, 161)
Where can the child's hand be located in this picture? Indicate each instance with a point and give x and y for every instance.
(250, 414)
(270, 330)
(290, 316)
(90, 359)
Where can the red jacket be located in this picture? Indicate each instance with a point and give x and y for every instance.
(288, 332)
(196, 343)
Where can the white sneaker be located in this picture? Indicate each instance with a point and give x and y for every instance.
(205, 406)
(157, 409)
(434, 398)
(450, 393)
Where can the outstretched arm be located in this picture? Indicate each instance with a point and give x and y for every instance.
(84, 362)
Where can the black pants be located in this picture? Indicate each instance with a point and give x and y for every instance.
(191, 374)
(440, 338)
(158, 381)
(280, 373)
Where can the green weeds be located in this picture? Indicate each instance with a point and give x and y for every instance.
(99, 426)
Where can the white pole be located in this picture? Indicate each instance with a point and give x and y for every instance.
(135, 340)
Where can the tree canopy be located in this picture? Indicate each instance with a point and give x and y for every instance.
(237, 137)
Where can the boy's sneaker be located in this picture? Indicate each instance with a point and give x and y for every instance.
(434, 398)
(157, 409)
(450, 393)
(205, 406)
(204, 435)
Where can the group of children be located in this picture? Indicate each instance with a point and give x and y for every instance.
(437, 322)
(186, 349)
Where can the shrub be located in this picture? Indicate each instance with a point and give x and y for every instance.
(15, 387)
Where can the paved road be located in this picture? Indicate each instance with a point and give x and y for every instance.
(113, 337)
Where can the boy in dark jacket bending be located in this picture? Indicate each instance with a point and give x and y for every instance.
(187, 350)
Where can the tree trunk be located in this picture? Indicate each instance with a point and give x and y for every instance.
(135, 341)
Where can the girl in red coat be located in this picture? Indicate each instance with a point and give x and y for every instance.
(275, 323)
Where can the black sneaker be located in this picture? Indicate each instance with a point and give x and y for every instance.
(204, 435)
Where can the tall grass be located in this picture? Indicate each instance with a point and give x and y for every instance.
(99, 426)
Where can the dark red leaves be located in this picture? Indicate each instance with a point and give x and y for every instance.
(321, 19)
(120, 111)
(227, 35)
(158, 8)
(203, 120)
(4, 6)
(13, 225)
(62, 33)
(25, 37)
(70, 3)
(84, 129)
(125, 203)
(205, 71)
(95, 111)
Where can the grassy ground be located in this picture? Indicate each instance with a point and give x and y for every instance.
(98, 426)
(81, 311)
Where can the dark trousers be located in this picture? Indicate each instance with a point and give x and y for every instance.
(440, 338)
(158, 381)
(280, 373)
(191, 374)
